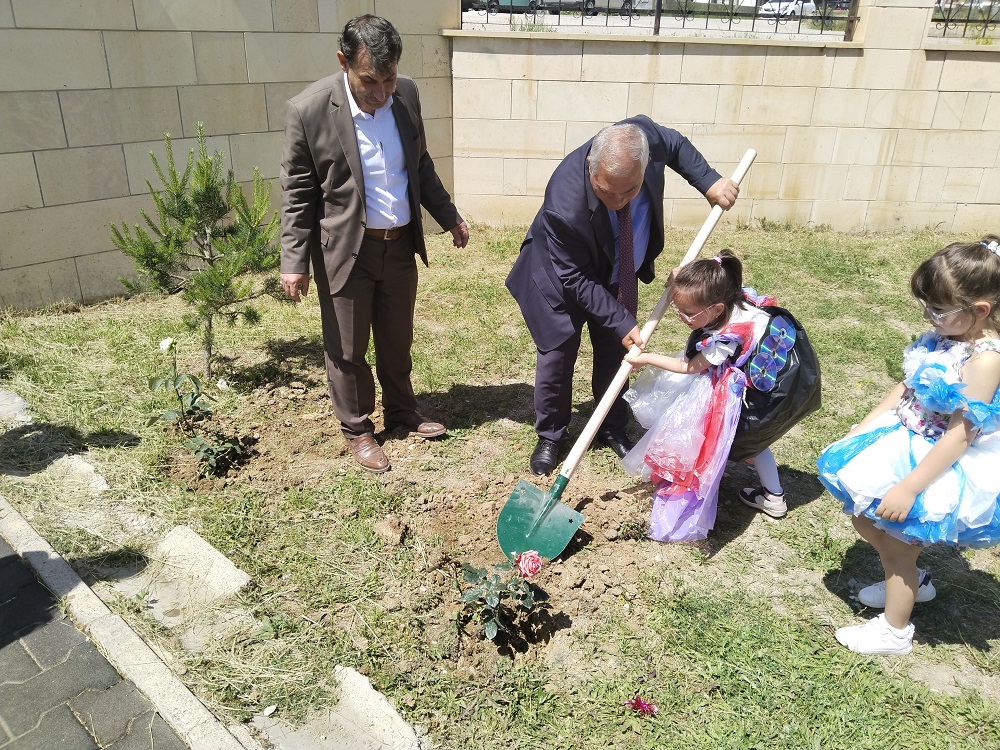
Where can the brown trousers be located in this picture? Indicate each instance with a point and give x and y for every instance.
(377, 300)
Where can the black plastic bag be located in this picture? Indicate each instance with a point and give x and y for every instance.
(767, 415)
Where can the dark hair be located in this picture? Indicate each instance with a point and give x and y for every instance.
(376, 35)
(713, 280)
(959, 275)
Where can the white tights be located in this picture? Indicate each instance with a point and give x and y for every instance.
(767, 471)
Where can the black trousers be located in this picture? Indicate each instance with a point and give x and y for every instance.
(554, 382)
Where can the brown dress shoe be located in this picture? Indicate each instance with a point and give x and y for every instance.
(420, 425)
(368, 453)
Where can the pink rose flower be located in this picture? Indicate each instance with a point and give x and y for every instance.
(528, 563)
(643, 708)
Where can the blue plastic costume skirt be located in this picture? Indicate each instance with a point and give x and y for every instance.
(960, 507)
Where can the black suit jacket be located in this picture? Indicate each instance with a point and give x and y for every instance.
(323, 213)
(562, 275)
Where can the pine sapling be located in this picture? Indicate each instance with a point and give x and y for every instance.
(208, 242)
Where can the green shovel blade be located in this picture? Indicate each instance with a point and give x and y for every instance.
(533, 519)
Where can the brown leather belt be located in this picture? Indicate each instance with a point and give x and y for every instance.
(387, 234)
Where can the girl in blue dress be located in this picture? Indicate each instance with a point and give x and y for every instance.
(921, 469)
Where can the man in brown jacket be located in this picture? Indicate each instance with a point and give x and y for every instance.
(354, 173)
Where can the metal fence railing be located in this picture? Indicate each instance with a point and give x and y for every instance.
(975, 19)
(829, 17)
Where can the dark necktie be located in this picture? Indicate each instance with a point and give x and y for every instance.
(628, 288)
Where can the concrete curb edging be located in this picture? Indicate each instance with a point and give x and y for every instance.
(126, 651)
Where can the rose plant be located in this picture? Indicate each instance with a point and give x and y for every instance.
(214, 450)
(187, 389)
(508, 580)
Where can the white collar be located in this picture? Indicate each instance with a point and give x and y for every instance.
(355, 109)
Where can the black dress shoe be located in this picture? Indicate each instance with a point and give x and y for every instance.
(544, 457)
(616, 440)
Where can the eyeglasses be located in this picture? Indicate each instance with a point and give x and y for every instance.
(691, 318)
(938, 317)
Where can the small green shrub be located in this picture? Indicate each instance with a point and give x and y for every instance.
(215, 451)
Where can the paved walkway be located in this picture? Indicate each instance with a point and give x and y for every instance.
(57, 692)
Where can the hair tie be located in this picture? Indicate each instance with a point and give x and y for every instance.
(993, 247)
(718, 260)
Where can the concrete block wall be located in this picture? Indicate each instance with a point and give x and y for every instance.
(87, 89)
(891, 130)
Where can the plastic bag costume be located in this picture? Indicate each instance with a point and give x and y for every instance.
(733, 410)
(960, 507)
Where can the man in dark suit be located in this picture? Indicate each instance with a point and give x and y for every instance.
(354, 173)
(606, 194)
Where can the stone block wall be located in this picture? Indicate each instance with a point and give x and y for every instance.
(87, 89)
(890, 130)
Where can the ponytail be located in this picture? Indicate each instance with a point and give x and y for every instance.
(714, 280)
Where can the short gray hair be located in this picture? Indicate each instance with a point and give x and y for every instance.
(617, 147)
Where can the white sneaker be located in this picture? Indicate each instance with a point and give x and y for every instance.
(764, 501)
(874, 595)
(877, 637)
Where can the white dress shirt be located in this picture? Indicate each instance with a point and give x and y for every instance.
(386, 180)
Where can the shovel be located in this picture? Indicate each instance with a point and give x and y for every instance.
(536, 520)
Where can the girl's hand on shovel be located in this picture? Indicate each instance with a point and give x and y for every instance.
(633, 338)
(637, 361)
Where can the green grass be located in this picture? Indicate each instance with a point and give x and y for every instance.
(730, 681)
(732, 638)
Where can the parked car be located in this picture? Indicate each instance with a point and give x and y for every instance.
(986, 9)
(989, 9)
(504, 6)
(593, 7)
(832, 9)
(787, 8)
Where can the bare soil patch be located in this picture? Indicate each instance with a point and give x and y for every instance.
(449, 504)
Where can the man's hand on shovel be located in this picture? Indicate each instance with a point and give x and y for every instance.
(633, 338)
(723, 193)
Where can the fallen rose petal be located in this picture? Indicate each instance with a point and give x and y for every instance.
(640, 706)
(269, 710)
